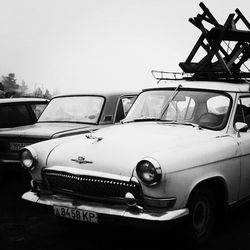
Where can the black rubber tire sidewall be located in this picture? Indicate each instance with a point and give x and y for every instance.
(199, 195)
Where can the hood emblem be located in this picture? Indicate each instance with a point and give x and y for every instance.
(81, 160)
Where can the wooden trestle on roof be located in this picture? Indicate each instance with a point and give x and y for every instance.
(219, 61)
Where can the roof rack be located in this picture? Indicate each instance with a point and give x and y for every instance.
(163, 75)
(221, 61)
(241, 77)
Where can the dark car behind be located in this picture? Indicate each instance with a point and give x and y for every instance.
(64, 116)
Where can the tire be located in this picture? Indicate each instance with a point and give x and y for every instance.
(201, 218)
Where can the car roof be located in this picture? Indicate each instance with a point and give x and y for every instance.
(101, 93)
(210, 85)
(23, 99)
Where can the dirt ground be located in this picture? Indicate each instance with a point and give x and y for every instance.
(26, 226)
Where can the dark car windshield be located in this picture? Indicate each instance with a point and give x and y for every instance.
(83, 109)
(207, 109)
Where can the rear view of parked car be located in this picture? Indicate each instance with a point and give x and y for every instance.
(16, 112)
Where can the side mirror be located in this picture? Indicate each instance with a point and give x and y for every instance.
(240, 127)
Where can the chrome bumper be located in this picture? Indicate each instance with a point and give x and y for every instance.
(107, 210)
(9, 161)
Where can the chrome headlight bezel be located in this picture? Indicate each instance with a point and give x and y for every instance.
(28, 157)
(149, 171)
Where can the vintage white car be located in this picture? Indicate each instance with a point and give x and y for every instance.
(183, 151)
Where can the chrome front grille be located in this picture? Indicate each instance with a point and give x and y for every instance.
(97, 187)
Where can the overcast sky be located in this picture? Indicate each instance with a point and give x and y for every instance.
(79, 45)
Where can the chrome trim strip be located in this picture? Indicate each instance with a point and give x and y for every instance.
(108, 210)
(159, 202)
(159, 199)
(9, 161)
(77, 171)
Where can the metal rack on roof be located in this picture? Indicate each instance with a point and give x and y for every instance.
(235, 77)
(226, 50)
(163, 75)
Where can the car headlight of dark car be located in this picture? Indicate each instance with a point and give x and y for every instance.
(149, 171)
(28, 159)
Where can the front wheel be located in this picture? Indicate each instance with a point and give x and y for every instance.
(202, 215)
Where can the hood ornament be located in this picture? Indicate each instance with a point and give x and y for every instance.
(81, 160)
(93, 137)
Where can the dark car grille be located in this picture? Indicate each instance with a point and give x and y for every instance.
(90, 186)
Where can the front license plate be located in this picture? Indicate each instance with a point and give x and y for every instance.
(17, 146)
(76, 214)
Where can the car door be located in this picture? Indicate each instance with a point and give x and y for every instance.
(242, 114)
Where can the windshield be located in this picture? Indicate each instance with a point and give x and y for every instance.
(83, 109)
(207, 109)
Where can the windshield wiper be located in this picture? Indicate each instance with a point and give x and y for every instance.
(143, 119)
(176, 91)
(185, 123)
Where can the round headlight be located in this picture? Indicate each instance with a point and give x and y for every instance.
(149, 171)
(27, 159)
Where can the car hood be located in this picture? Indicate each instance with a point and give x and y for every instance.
(119, 148)
(45, 130)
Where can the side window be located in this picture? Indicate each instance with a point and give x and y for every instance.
(127, 103)
(38, 109)
(120, 114)
(242, 113)
(14, 115)
(218, 105)
(217, 108)
(123, 107)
